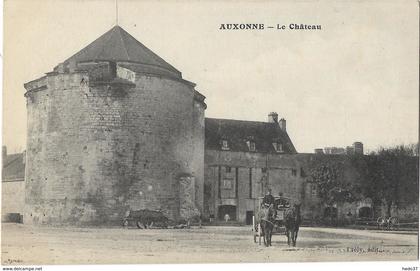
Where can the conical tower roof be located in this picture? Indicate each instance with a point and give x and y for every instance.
(119, 46)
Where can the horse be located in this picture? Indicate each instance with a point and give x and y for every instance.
(292, 221)
(266, 221)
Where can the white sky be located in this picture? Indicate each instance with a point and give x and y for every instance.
(356, 80)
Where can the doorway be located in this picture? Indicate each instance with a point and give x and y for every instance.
(227, 209)
(365, 212)
(249, 215)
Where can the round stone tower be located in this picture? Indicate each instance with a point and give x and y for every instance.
(113, 128)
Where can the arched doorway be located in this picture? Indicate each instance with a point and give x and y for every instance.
(365, 212)
(227, 209)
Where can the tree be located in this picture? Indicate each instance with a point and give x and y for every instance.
(413, 149)
(331, 189)
(387, 171)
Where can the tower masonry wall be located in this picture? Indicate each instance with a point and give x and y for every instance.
(96, 150)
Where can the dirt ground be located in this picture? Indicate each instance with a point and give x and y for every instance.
(22, 245)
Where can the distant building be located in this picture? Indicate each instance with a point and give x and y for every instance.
(13, 186)
(358, 147)
(334, 150)
(349, 150)
(319, 151)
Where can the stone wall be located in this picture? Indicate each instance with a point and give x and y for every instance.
(290, 175)
(198, 153)
(98, 149)
(243, 177)
(188, 210)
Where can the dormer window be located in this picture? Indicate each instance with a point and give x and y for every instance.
(278, 147)
(225, 145)
(251, 145)
(313, 190)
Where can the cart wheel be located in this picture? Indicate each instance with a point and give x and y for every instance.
(140, 225)
(381, 222)
(125, 223)
(393, 223)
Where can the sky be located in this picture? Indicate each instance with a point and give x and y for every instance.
(354, 80)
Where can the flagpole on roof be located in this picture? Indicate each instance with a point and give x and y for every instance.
(116, 12)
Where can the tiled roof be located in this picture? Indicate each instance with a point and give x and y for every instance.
(119, 46)
(14, 168)
(238, 132)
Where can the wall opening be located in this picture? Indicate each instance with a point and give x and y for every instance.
(365, 212)
(227, 209)
(249, 215)
(113, 69)
(13, 218)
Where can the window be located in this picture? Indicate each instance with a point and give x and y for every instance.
(225, 145)
(294, 172)
(251, 145)
(236, 182)
(278, 147)
(228, 169)
(227, 184)
(219, 185)
(250, 183)
(302, 172)
(313, 189)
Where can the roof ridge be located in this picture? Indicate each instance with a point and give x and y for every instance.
(103, 48)
(238, 130)
(255, 121)
(108, 47)
(89, 45)
(150, 52)
(123, 42)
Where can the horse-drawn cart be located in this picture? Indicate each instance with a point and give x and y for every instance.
(281, 204)
(144, 219)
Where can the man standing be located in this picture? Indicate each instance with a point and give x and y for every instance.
(268, 198)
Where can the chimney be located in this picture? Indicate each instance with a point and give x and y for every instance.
(282, 124)
(273, 117)
(4, 155)
(358, 148)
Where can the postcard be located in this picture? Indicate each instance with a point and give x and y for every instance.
(180, 132)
